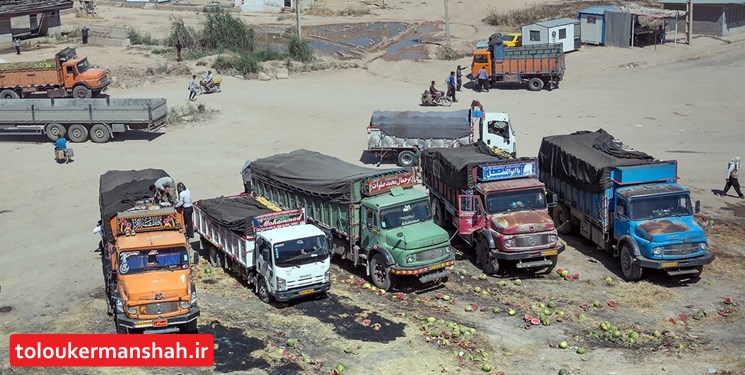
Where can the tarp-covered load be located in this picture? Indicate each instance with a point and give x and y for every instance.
(453, 166)
(423, 125)
(585, 159)
(120, 191)
(314, 172)
(234, 213)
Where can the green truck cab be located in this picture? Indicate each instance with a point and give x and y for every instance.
(372, 217)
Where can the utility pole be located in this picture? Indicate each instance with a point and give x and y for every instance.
(447, 24)
(298, 4)
(689, 21)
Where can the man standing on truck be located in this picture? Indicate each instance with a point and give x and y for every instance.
(184, 200)
(483, 77)
(161, 189)
(246, 174)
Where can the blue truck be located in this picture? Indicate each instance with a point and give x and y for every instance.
(625, 201)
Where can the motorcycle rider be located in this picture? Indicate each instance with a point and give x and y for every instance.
(207, 81)
(435, 92)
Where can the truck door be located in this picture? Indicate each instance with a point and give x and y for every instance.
(470, 214)
(70, 73)
(621, 218)
(497, 134)
(369, 227)
(264, 259)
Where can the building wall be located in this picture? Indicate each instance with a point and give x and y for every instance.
(6, 33)
(51, 24)
(707, 19)
(591, 33)
(734, 17)
(542, 34)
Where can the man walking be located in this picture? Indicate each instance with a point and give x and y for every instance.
(452, 86)
(733, 169)
(483, 78)
(178, 50)
(17, 45)
(184, 200)
(193, 87)
(459, 77)
(84, 33)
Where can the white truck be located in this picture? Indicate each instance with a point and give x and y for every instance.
(275, 251)
(394, 133)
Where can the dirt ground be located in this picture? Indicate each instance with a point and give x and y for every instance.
(674, 102)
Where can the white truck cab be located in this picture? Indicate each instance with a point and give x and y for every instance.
(497, 132)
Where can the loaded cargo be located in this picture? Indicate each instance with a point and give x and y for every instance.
(536, 66)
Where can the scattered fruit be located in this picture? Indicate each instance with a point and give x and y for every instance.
(518, 282)
(560, 313)
(477, 289)
(563, 372)
(348, 350)
(469, 308)
(551, 304)
(208, 270)
(502, 283)
(580, 350)
(612, 303)
(564, 273)
(446, 298)
(431, 320)
(616, 333)
(568, 277)
(605, 326)
(576, 276)
(486, 367)
(563, 345)
(339, 368)
(366, 286)
(608, 280)
(559, 270)
(597, 304)
(511, 312)
(496, 310)
(482, 276)
(463, 272)
(535, 321)
(728, 301)
(438, 295)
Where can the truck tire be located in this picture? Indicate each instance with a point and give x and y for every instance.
(119, 328)
(438, 215)
(81, 92)
(8, 94)
(77, 133)
(406, 159)
(53, 130)
(380, 273)
(562, 219)
(488, 263)
(100, 133)
(631, 271)
(262, 290)
(535, 84)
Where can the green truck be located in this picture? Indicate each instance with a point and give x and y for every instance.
(372, 217)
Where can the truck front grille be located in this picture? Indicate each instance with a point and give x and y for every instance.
(681, 249)
(531, 240)
(429, 255)
(159, 308)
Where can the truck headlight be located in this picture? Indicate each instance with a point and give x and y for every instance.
(509, 242)
(193, 296)
(131, 310)
(703, 246)
(281, 284)
(119, 306)
(326, 276)
(410, 258)
(657, 251)
(184, 304)
(552, 238)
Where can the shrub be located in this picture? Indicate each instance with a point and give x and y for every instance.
(135, 37)
(221, 31)
(180, 32)
(300, 50)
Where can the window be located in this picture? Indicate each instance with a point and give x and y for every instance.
(562, 34)
(590, 19)
(370, 218)
(535, 36)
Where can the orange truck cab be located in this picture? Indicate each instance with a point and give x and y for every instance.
(67, 74)
(145, 258)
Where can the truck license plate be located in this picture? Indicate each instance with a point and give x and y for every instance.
(549, 252)
(669, 264)
(437, 266)
(144, 323)
(160, 323)
(306, 292)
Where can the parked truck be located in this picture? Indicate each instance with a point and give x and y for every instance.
(78, 119)
(625, 201)
(374, 217)
(145, 257)
(277, 252)
(395, 133)
(536, 65)
(66, 75)
(496, 204)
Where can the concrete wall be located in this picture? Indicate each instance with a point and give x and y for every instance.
(108, 36)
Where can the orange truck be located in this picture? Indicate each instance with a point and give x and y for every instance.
(145, 257)
(65, 75)
(536, 65)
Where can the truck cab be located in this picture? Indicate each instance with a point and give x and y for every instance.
(497, 132)
(78, 76)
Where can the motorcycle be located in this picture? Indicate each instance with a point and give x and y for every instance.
(429, 100)
(204, 88)
(63, 156)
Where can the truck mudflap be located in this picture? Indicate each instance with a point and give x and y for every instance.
(428, 273)
(304, 291)
(164, 325)
(531, 259)
(676, 267)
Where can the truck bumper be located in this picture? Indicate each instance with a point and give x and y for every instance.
(426, 274)
(308, 290)
(533, 258)
(676, 267)
(164, 325)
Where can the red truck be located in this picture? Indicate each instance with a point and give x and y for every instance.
(67, 74)
(496, 205)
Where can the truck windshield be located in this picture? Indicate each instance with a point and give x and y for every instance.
(480, 59)
(533, 199)
(155, 259)
(405, 214)
(301, 251)
(83, 65)
(656, 207)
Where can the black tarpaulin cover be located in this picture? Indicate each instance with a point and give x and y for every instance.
(234, 213)
(424, 125)
(585, 159)
(454, 165)
(120, 191)
(313, 172)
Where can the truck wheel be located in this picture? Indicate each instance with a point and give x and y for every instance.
(263, 291)
(8, 94)
(406, 159)
(631, 271)
(380, 273)
(81, 92)
(53, 130)
(438, 215)
(489, 264)
(535, 84)
(100, 133)
(119, 328)
(214, 258)
(77, 133)
(562, 220)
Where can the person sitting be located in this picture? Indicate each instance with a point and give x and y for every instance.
(162, 189)
(436, 94)
(60, 144)
(207, 81)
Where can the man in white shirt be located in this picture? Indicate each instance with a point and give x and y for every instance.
(99, 230)
(184, 200)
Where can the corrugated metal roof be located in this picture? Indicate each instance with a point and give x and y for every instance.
(558, 22)
(702, 2)
(600, 9)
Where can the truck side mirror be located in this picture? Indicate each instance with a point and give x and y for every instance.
(697, 207)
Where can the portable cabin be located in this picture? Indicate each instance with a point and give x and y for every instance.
(564, 31)
(594, 21)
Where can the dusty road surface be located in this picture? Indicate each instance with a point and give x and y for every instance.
(674, 102)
